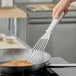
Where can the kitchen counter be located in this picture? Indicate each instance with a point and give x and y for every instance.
(15, 12)
(35, 13)
(36, 7)
(7, 33)
(63, 71)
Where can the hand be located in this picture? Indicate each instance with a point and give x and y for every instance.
(60, 7)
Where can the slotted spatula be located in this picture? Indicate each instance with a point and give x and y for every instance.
(37, 53)
(42, 42)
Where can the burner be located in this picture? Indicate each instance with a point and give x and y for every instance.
(41, 72)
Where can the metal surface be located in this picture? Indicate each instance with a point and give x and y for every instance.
(15, 26)
(8, 24)
(10, 55)
(32, 68)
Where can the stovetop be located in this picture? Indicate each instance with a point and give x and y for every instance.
(41, 72)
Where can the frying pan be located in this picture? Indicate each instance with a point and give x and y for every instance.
(15, 69)
(31, 68)
(10, 55)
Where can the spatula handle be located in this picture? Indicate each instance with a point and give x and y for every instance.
(54, 22)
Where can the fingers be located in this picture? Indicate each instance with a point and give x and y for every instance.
(54, 12)
(59, 8)
(57, 12)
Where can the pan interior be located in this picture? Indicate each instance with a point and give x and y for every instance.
(33, 65)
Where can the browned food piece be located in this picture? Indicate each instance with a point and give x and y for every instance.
(17, 63)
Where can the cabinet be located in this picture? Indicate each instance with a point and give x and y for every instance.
(64, 41)
(21, 28)
(14, 14)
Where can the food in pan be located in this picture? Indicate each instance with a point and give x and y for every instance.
(17, 63)
(10, 39)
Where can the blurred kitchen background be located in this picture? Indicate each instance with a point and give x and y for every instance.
(63, 39)
(34, 0)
